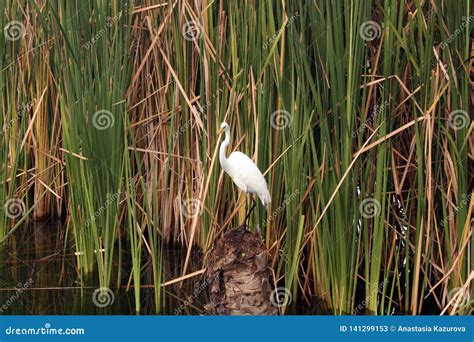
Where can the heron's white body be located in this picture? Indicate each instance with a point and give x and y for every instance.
(243, 170)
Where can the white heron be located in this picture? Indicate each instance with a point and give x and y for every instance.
(243, 172)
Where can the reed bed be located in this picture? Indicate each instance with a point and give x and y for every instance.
(359, 112)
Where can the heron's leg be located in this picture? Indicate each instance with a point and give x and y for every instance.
(254, 203)
(246, 208)
(245, 223)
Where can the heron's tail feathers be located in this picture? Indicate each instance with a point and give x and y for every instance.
(266, 200)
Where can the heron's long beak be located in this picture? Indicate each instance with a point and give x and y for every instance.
(220, 131)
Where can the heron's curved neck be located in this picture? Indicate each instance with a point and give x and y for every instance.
(225, 143)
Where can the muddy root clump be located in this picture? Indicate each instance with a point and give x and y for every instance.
(239, 276)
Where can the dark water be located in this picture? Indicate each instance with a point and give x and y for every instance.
(38, 276)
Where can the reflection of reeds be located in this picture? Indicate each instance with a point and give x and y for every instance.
(342, 103)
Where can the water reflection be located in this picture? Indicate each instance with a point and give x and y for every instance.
(38, 276)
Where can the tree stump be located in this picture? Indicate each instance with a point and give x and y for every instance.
(239, 276)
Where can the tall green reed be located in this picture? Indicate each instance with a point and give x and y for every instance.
(95, 68)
